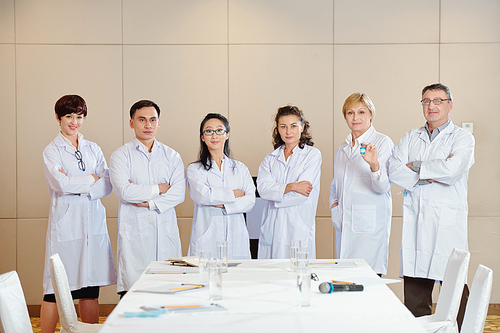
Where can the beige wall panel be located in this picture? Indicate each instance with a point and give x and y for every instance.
(187, 82)
(108, 294)
(472, 86)
(470, 21)
(280, 21)
(31, 235)
(72, 22)
(484, 246)
(325, 238)
(393, 77)
(175, 22)
(185, 233)
(8, 251)
(7, 34)
(44, 74)
(388, 21)
(263, 78)
(8, 132)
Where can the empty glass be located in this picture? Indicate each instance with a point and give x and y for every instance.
(215, 284)
(204, 266)
(222, 254)
(295, 247)
(303, 280)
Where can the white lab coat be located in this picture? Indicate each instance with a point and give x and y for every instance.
(77, 227)
(146, 235)
(292, 215)
(210, 224)
(362, 218)
(434, 215)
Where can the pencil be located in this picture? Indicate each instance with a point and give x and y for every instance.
(336, 281)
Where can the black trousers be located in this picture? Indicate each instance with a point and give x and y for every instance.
(418, 297)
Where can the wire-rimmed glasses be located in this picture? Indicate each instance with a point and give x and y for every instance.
(436, 101)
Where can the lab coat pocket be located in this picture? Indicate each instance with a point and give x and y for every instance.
(336, 218)
(292, 227)
(68, 227)
(364, 218)
(136, 226)
(446, 212)
(99, 220)
(214, 232)
(442, 152)
(266, 231)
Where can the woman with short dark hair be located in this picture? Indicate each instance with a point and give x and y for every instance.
(77, 176)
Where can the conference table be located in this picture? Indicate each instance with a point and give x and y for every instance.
(260, 296)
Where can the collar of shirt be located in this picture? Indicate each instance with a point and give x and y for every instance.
(214, 165)
(357, 141)
(294, 150)
(65, 139)
(436, 131)
(145, 149)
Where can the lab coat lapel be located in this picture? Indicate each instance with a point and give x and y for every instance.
(444, 134)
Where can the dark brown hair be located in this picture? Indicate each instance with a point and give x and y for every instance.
(70, 104)
(287, 110)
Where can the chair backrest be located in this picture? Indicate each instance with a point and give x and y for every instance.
(479, 300)
(455, 277)
(14, 316)
(62, 291)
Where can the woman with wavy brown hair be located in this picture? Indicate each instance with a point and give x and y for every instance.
(289, 180)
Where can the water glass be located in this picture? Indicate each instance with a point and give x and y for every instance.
(222, 254)
(295, 247)
(204, 266)
(215, 284)
(303, 280)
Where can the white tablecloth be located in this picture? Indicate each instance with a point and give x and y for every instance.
(260, 296)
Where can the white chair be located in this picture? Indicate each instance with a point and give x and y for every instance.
(444, 320)
(479, 300)
(14, 316)
(65, 306)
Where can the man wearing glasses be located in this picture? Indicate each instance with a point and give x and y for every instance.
(431, 164)
(150, 180)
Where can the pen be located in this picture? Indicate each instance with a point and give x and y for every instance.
(336, 281)
(189, 287)
(181, 306)
(193, 284)
(324, 263)
(168, 273)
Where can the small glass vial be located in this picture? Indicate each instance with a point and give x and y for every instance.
(362, 149)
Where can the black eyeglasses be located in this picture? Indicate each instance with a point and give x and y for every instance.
(219, 131)
(78, 155)
(436, 101)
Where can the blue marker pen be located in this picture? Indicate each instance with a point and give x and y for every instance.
(362, 149)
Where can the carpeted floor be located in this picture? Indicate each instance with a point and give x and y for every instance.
(492, 324)
(35, 322)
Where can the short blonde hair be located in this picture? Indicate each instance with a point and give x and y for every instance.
(356, 98)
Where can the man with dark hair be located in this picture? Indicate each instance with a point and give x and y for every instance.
(149, 179)
(431, 164)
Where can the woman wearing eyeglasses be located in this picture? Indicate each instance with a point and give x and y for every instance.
(77, 176)
(360, 197)
(289, 179)
(222, 190)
